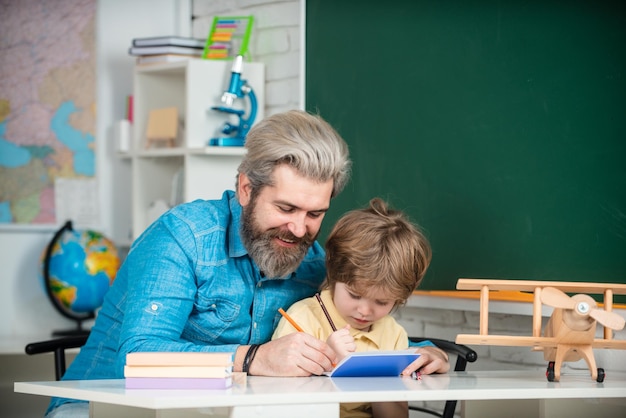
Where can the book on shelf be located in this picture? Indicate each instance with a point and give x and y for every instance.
(162, 50)
(177, 383)
(170, 40)
(173, 358)
(179, 371)
(374, 363)
(155, 59)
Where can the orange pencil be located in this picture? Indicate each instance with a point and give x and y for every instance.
(291, 321)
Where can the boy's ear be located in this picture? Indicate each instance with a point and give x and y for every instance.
(244, 189)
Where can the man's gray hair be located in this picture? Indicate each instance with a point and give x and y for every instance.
(301, 140)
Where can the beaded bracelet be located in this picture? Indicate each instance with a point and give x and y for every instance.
(247, 360)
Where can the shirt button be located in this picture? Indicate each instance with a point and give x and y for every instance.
(254, 325)
(154, 307)
(259, 284)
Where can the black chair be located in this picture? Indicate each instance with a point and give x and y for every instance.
(58, 347)
(464, 355)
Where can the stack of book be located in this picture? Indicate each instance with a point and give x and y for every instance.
(166, 49)
(179, 370)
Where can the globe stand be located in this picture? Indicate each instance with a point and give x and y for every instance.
(78, 317)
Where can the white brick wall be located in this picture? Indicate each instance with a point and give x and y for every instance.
(275, 41)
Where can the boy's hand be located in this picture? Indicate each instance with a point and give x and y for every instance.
(341, 342)
(432, 360)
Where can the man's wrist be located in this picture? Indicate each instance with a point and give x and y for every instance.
(240, 354)
(249, 357)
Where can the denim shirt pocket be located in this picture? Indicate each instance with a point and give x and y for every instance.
(210, 318)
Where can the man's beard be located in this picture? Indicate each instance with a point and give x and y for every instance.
(273, 260)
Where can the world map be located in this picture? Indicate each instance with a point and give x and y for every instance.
(47, 103)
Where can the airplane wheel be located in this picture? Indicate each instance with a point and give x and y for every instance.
(601, 375)
(550, 372)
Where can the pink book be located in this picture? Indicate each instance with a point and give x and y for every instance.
(178, 383)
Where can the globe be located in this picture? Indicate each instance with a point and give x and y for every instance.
(78, 268)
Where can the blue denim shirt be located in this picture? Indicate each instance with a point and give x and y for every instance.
(188, 284)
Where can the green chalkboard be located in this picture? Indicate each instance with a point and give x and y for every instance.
(499, 126)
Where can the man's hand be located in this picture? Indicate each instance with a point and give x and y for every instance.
(297, 354)
(341, 342)
(431, 360)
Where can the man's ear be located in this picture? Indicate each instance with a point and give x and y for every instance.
(244, 189)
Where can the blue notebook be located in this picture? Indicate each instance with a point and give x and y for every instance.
(374, 363)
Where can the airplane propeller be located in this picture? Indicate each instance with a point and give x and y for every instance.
(556, 298)
(582, 306)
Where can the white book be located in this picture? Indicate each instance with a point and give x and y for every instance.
(179, 371)
(162, 50)
(171, 41)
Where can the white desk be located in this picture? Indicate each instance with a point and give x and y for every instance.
(316, 397)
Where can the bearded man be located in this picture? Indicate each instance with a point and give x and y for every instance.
(210, 275)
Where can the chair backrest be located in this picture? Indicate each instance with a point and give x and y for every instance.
(58, 347)
(463, 354)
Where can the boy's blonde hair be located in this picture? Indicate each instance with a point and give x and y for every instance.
(377, 247)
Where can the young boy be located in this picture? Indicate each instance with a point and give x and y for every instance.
(375, 259)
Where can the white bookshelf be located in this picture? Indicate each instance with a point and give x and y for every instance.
(193, 87)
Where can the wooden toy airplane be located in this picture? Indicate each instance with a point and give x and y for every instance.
(570, 332)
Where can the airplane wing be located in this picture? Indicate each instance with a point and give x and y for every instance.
(529, 341)
(506, 340)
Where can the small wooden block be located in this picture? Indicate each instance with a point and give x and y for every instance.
(162, 126)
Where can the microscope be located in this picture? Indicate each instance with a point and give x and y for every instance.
(237, 89)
